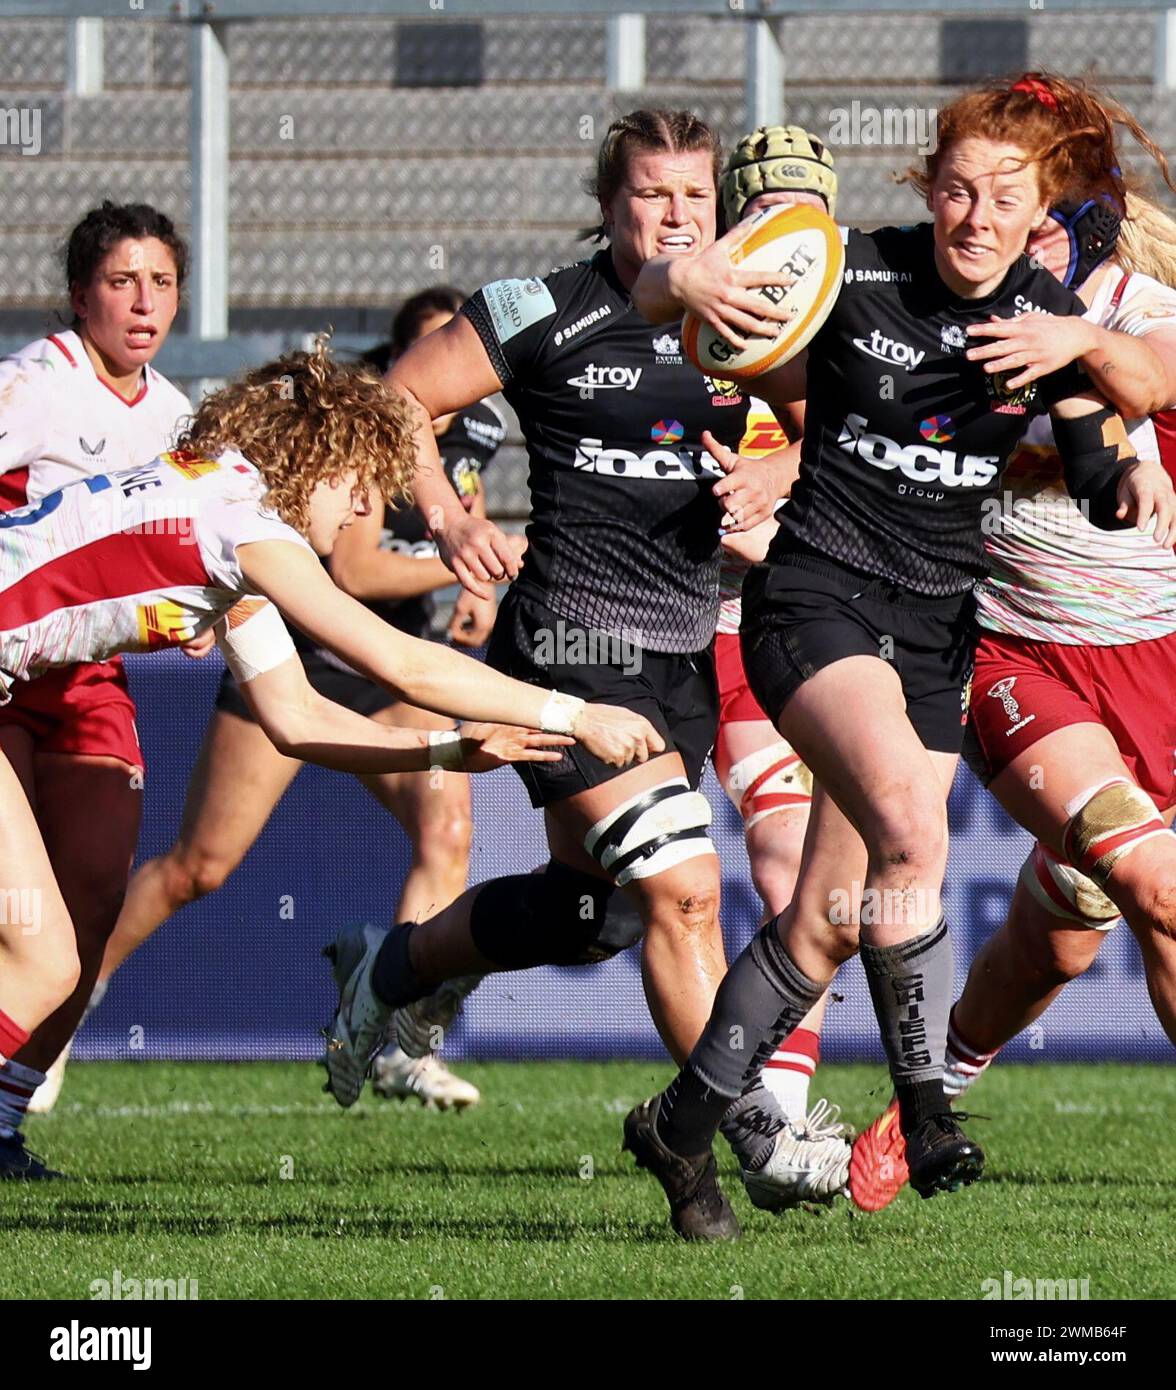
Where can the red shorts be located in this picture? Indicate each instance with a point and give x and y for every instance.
(78, 709)
(736, 702)
(1023, 690)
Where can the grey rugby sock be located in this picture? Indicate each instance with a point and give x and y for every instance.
(911, 986)
(761, 1000)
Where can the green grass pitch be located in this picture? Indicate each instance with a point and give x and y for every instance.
(248, 1180)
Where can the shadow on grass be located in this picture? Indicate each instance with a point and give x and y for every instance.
(98, 1219)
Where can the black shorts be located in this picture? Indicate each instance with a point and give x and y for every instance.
(677, 693)
(344, 687)
(806, 613)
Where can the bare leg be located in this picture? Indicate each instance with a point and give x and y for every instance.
(39, 966)
(434, 810)
(91, 855)
(1035, 789)
(238, 779)
(682, 954)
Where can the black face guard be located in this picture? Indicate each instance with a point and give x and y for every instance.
(1092, 228)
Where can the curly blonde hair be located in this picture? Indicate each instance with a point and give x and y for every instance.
(307, 418)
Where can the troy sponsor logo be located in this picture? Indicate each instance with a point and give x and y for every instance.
(596, 378)
(890, 350)
(594, 316)
(921, 463)
(1003, 691)
(659, 464)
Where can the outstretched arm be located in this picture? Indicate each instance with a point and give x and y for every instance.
(303, 724)
(425, 673)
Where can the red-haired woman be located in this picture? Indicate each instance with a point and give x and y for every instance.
(857, 632)
(1073, 718)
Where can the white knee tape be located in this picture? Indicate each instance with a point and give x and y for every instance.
(1066, 892)
(1108, 821)
(660, 827)
(768, 780)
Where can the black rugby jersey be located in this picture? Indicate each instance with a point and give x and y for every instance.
(466, 448)
(624, 530)
(905, 439)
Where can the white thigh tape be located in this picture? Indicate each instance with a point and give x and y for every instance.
(652, 831)
(253, 639)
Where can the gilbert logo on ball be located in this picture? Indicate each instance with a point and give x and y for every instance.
(802, 242)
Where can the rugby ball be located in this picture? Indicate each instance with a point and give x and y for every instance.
(801, 241)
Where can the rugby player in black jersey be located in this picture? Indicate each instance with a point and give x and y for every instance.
(387, 559)
(857, 632)
(616, 600)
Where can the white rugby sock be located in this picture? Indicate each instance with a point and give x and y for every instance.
(964, 1064)
(17, 1084)
(789, 1070)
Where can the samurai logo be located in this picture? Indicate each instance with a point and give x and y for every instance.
(1003, 691)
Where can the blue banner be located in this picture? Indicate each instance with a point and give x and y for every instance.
(239, 975)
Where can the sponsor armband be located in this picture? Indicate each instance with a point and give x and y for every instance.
(253, 639)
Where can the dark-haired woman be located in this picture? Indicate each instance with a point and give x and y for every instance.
(79, 402)
(272, 469)
(388, 561)
(632, 478)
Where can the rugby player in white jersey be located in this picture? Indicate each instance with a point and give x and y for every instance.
(387, 560)
(1073, 718)
(269, 472)
(83, 401)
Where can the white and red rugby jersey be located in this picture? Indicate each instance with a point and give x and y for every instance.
(129, 561)
(763, 435)
(1055, 577)
(60, 422)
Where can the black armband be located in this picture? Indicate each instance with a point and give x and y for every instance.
(1093, 464)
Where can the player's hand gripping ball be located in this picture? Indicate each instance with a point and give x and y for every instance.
(802, 243)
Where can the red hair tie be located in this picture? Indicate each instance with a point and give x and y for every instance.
(1036, 88)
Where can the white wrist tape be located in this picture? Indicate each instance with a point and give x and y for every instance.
(559, 714)
(445, 750)
(253, 639)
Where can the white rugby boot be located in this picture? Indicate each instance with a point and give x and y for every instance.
(397, 1076)
(809, 1163)
(358, 1029)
